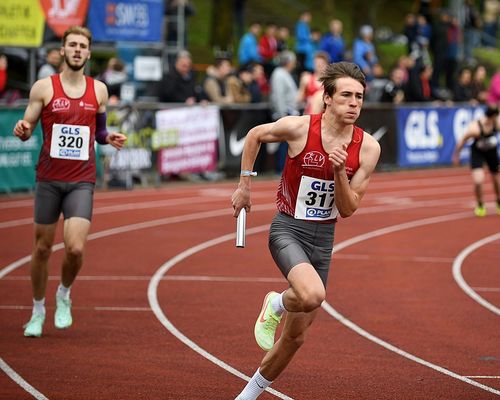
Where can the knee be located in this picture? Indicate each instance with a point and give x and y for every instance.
(42, 251)
(312, 299)
(74, 252)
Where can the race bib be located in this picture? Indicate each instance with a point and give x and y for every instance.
(315, 200)
(487, 143)
(70, 142)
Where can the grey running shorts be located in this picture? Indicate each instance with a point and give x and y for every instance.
(293, 241)
(73, 199)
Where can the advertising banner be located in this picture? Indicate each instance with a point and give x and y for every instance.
(126, 20)
(21, 23)
(17, 158)
(61, 15)
(427, 136)
(193, 132)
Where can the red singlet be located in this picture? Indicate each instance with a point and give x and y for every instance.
(71, 116)
(307, 178)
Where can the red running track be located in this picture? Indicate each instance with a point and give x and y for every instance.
(165, 304)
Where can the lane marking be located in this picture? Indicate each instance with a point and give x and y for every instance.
(199, 278)
(157, 310)
(484, 376)
(457, 272)
(20, 381)
(96, 308)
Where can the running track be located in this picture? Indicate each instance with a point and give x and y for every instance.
(165, 304)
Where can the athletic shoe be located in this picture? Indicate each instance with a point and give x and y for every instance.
(62, 317)
(480, 211)
(35, 325)
(265, 327)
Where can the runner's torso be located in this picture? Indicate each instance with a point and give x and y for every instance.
(68, 127)
(307, 183)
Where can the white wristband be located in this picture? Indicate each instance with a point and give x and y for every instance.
(245, 172)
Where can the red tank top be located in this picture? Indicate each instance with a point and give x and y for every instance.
(307, 183)
(72, 158)
(311, 88)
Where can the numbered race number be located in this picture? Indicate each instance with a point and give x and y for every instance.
(315, 200)
(70, 142)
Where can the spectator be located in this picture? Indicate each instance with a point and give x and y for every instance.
(3, 73)
(364, 54)
(113, 77)
(259, 87)
(315, 42)
(248, 49)
(419, 88)
(479, 88)
(491, 12)
(214, 86)
(237, 85)
(179, 85)
(283, 37)
(439, 46)
(393, 91)
(494, 89)
(7, 96)
(333, 42)
(472, 23)
(303, 42)
(375, 87)
(452, 53)
(283, 97)
(410, 31)
(463, 86)
(310, 84)
(268, 48)
(52, 64)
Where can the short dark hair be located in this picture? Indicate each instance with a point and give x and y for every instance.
(342, 69)
(491, 110)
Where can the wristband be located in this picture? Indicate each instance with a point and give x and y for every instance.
(245, 172)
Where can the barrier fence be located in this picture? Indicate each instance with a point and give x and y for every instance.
(167, 139)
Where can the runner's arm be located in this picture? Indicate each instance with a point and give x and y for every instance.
(24, 128)
(348, 195)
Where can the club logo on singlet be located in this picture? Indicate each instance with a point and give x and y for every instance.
(313, 159)
(87, 106)
(60, 104)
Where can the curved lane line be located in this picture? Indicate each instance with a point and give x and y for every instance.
(20, 381)
(457, 272)
(338, 247)
(156, 308)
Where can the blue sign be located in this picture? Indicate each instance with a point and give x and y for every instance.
(126, 20)
(428, 136)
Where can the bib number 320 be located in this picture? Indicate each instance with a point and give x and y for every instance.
(70, 142)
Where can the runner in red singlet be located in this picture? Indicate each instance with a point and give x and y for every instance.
(326, 174)
(72, 109)
(310, 88)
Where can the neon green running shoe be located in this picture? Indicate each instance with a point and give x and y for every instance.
(35, 325)
(62, 317)
(480, 211)
(265, 327)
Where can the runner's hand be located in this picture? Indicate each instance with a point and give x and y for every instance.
(23, 130)
(117, 140)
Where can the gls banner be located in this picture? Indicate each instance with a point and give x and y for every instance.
(126, 20)
(427, 136)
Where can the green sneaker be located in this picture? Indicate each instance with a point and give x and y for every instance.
(265, 327)
(35, 325)
(62, 317)
(480, 211)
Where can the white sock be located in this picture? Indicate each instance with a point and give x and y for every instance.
(277, 304)
(254, 387)
(63, 291)
(39, 306)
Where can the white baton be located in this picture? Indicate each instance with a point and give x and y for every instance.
(241, 222)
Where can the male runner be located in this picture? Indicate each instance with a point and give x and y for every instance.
(327, 170)
(72, 109)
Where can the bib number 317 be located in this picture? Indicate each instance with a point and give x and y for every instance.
(315, 200)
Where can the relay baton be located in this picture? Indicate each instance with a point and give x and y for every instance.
(241, 222)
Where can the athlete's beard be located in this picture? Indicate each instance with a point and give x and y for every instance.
(74, 67)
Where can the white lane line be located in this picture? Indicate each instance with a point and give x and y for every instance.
(20, 381)
(164, 221)
(157, 310)
(198, 278)
(484, 376)
(457, 272)
(486, 289)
